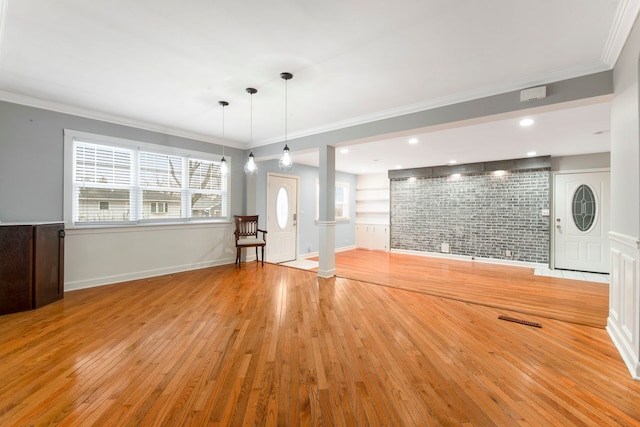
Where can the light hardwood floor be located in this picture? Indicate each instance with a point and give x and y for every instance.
(277, 346)
(513, 288)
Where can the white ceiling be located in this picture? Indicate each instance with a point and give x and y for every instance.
(163, 65)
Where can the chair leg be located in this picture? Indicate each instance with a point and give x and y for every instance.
(263, 256)
(238, 256)
(257, 254)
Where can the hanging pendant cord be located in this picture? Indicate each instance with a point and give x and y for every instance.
(223, 131)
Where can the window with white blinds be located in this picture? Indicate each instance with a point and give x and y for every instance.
(121, 182)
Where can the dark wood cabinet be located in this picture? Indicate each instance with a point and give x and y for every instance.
(31, 265)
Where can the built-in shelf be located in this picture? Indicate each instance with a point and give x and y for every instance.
(365, 200)
(372, 211)
(373, 207)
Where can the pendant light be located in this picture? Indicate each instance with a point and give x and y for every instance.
(224, 169)
(250, 168)
(285, 163)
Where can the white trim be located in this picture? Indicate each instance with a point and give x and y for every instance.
(623, 21)
(570, 73)
(629, 241)
(3, 18)
(326, 274)
(327, 238)
(472, 258)
(623, 322)
(625, 352)
(69, 138)
(94, 138)
(315, 254)
(346, 248)
(113, 118)
(118, 278)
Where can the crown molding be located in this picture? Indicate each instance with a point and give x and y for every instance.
(552, 77)
(114, 119)
(3, 17)
(624, 19)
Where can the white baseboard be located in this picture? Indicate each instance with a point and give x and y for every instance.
(109, 280)
(472, 258)
(315, 254)
(624, 307)
(621, 344)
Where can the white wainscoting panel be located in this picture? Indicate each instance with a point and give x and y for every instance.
(615, 301)
(623, 324)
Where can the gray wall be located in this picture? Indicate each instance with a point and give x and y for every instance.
(479, 215)
(31, 159)
(581, 162)
(307, 229)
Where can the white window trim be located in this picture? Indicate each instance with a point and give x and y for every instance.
(71, 135)
(347, 205)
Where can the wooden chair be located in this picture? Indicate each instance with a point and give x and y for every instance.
(247, 235)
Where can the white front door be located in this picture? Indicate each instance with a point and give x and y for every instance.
(581, 221)
(282, 218)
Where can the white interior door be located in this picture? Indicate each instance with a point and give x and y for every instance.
(581, 221)
(282, 218)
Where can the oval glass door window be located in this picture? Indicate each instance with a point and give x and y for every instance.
(282, 208)
(583, 208)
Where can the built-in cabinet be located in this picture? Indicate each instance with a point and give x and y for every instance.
(372, 212)
(31, 265)
(372, 236)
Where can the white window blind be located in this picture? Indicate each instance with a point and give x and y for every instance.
(113, 183)
(102, 174)
(161, 179)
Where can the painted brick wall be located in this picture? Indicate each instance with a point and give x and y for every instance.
(481, 215)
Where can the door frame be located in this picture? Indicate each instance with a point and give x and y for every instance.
(297, 206)
(552, 203)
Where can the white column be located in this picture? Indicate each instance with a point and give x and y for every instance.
(327, 212)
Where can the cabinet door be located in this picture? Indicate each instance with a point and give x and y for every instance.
(379, 237)
(48, 280)
(15, 268)
(363, 240)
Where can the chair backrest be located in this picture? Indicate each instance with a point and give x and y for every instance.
(246, 226)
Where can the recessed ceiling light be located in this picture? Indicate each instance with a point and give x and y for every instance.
(526, 122)
(413, 141)
(398, 166)
(531, 153)
(344, 150)
(451, 162)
